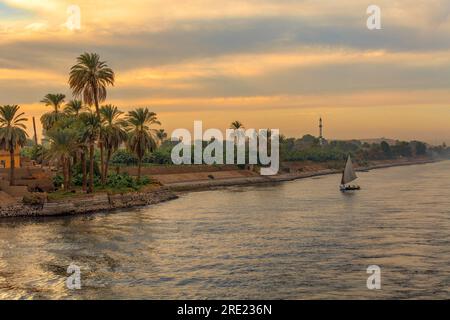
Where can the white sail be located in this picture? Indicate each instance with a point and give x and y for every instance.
(349, 174)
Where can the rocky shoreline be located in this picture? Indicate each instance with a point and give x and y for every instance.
(90, 204)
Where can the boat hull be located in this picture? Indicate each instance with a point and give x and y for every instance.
(349, 188)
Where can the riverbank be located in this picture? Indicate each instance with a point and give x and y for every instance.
(89, 204)
(101, 202)
(315, 171)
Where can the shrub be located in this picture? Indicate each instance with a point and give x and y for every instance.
(58, 180)
(77, 179)
(162, 155)
(34, 152)
(121, 181)
(145, 181)
(124, 157)
(125, 181)
(34, 199)
(77, 169)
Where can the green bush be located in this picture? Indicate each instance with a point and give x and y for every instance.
(77, 168)
(124, 180)
(26, 152)
(77, 174)
(34, 152)
(120, 181)
(58, 180)
(124, 157)
(159, 156)
(77, 179)
(145, 181)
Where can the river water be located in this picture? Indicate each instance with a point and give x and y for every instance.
(296, 240)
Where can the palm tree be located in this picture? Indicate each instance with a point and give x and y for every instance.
(49, 119)
(238, 127)
(83, 151)
(113, 132)
(63, 143)
(88, 80)
(91, 129)
(71, 111)
(142, 137)
(54, 100)
(83, 146)
(12, 133)
(162, 135)
(74, 107)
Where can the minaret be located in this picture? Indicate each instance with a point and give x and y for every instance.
(321, 131)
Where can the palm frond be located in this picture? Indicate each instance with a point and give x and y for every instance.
(90, 77)
(142, 137)
(12, 130)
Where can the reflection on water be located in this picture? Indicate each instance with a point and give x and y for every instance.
(297, 240)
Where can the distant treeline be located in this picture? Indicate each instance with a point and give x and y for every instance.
(307, 148)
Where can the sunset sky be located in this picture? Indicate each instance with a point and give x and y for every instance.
(268, 63)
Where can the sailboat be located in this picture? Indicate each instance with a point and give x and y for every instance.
(348, 176)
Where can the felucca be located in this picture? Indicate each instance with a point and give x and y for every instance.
(348, 176)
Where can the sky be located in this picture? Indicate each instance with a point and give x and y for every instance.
(277, 64)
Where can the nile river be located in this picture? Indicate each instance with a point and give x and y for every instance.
(295, 240)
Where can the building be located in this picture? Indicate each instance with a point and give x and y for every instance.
(5, 158)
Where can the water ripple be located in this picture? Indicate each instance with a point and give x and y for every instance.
(296, 240)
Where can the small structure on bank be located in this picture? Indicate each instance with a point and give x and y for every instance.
(5, 159)
(28, 177)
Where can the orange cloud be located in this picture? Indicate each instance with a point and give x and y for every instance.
(178, 89)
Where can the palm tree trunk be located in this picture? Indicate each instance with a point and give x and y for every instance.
(108, 158)
(12, 167)
(69, 172)
(64, 169)
(91, 168)
(102, 160)
(84, 169)
(100, 141)
(139, 169)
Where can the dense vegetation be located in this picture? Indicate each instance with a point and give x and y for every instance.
(158, 152)
(75, 132)
(160, 156)
(83, 138)
(309, 148)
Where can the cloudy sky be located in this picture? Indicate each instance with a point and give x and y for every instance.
(268, 63)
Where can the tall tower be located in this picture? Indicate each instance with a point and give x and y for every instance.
(321, 131)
